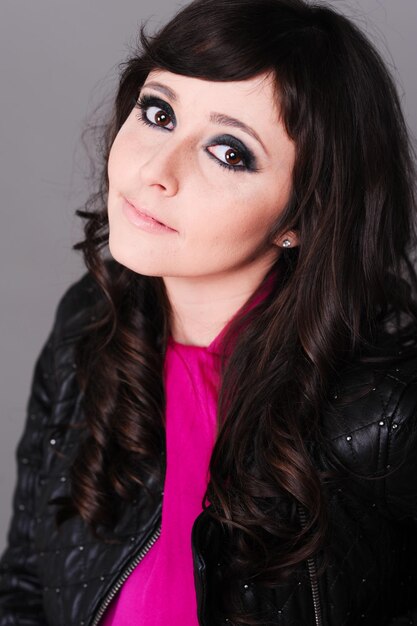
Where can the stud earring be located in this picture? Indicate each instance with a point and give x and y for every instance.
(286, 243)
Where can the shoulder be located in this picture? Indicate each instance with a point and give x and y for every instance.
(77, 309)
(78, 306)
(372, 390)
(370, 426)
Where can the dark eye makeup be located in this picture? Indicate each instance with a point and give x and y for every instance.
(145, 101)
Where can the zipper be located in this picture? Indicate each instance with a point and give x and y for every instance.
(125, 575)
(312, 572)
(311, 567)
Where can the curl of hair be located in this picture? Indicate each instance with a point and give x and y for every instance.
(350, 281)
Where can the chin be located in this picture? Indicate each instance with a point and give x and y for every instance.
(133, 260)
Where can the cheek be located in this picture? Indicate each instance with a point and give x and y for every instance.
(248, 213)
(235, 227)
(243, 216)
(117, 156)
(122, 151)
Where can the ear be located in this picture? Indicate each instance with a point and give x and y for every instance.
(289, 239)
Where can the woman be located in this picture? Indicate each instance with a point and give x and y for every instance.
(222, 423)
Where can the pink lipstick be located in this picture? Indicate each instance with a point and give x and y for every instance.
(142, 220)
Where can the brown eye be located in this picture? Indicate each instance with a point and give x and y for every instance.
(232, 156)
(161, 118)
(153, 114)
(228, 156)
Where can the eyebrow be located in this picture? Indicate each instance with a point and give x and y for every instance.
(216, 118)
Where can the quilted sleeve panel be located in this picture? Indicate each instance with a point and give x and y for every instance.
(401, 457)
(401, 479)
(20, 593)
(20, 590)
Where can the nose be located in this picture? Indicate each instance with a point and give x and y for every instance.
(162, 168)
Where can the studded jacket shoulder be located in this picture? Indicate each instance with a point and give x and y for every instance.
(68, 578)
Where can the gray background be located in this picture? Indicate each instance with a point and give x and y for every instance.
(58, 61)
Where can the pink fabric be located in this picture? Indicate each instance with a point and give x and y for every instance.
(161, 589)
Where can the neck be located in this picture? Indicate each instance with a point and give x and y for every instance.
(202, 306)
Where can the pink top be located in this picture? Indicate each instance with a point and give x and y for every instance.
(161, 590)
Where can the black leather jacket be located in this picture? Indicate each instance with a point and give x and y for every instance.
(68, 578)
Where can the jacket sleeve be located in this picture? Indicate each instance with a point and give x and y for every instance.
(401, 482)
(20, 591)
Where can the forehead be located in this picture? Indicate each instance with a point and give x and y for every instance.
(257, 94)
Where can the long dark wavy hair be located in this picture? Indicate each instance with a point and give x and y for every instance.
(350, 281)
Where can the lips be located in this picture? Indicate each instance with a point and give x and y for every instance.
(146, 213)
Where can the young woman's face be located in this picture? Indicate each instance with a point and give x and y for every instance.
(212, 162)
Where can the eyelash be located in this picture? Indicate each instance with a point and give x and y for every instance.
(247, 157)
